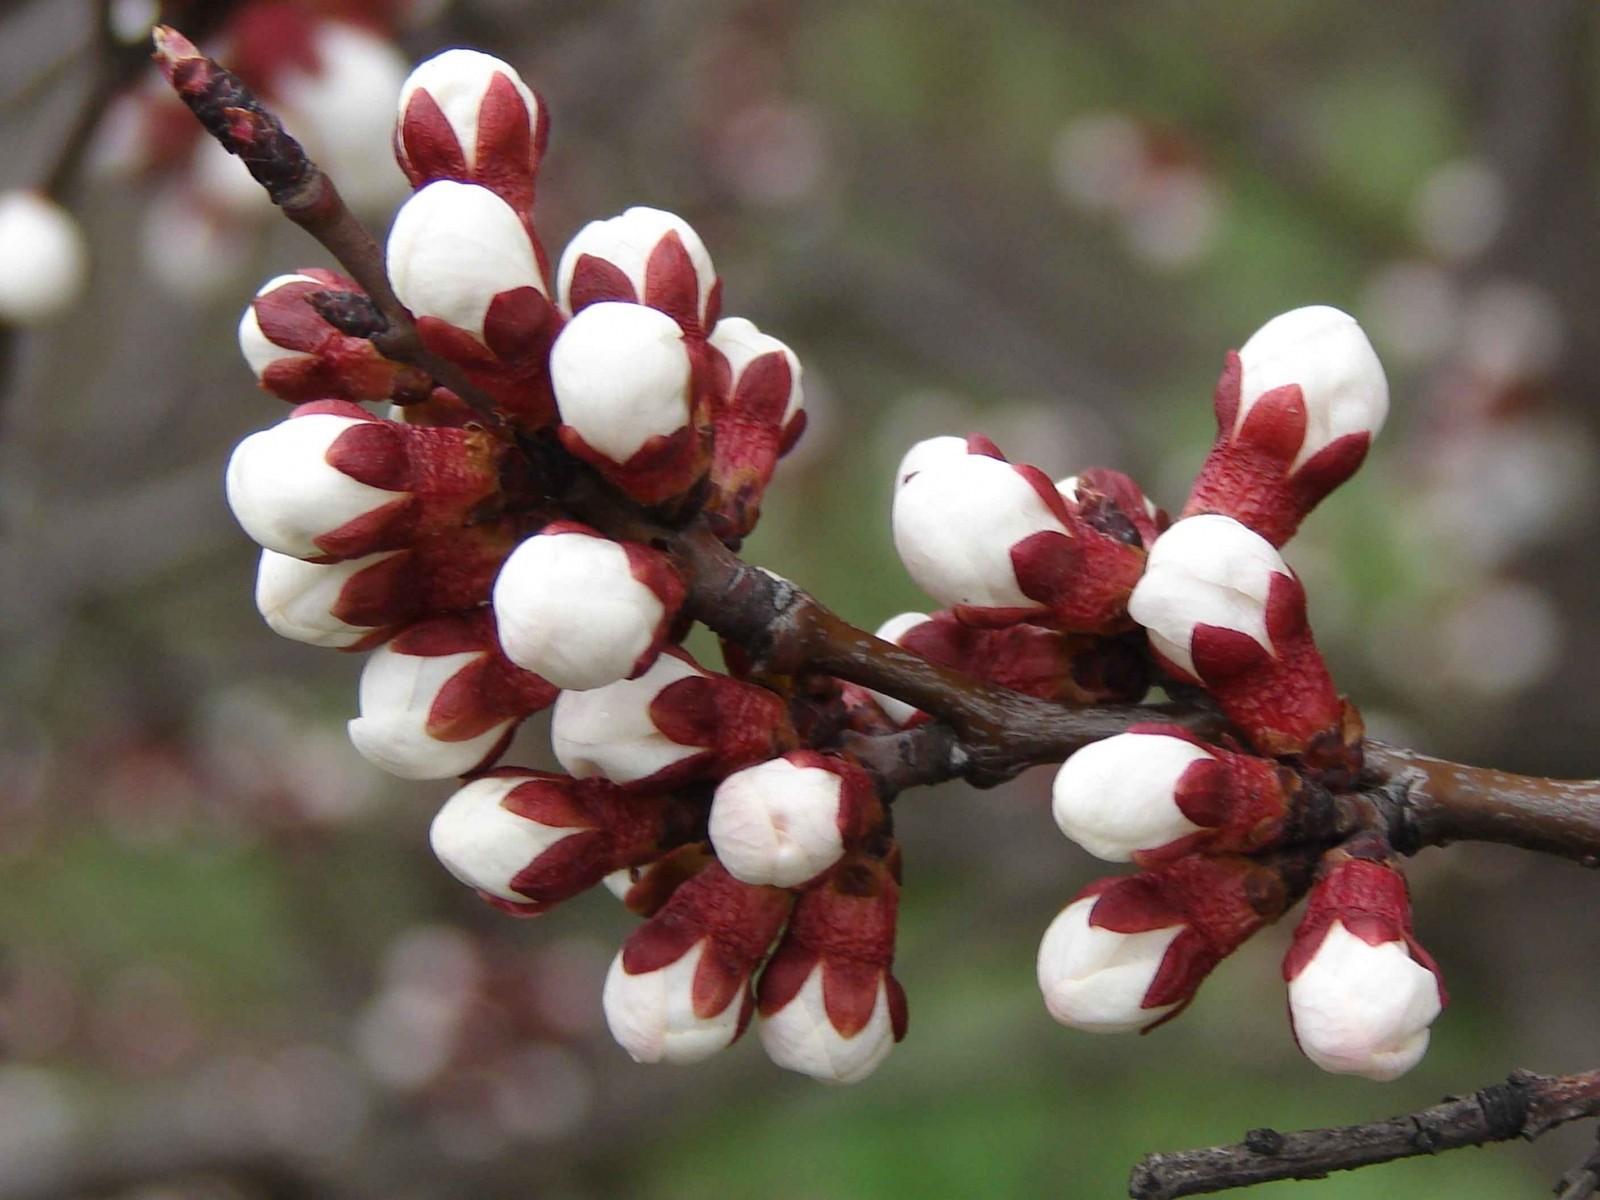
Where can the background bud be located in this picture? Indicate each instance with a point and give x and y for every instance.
(46, 259)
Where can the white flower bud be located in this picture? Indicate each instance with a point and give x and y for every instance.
(608, 732)
(285, 493)
(778, 823)
(1360, 1009)
(621, 375)
(927, 453)
(458, 82)
(1205, 570)
(569, 608)
(652, 1014)
(296, 598)
(801, 1037)
(1327, 354)
(955, 522)
(46, 261)
(1119, 795)
(741, 343)
(484, 844)
(1095, 979)
(454, 247)
(627, 242)
(397, 695)
(893, 630)
(259, 351)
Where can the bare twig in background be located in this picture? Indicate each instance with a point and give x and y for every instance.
(1583, 1181)
(1525, 1105)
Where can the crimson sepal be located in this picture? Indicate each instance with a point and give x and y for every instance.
(483, 694)
(653, 884)
(615, 832)
(1219, 903)
(671, 285)
(510, 144)
(1247, 474)
(1113, 503)
(846, 924)
(737, 921)
(511, 362)
(737, 725)
(1242, 802)
(749, 436)
(1360, 886)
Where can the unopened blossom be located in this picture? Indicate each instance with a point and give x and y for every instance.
(1297, 409)
(334, 482)
(1362, 990)
(1129, 953)
(44, 261)
(442, 699)
(829, 1003)
(527, 840)
(468, 116)
(643, 256)
(631, 399)
(1222, 609)
(465, 263)
(759, 415)
(297, 355)
(582, 610)
(356, 603)
(1156, 792)
(680, 989)
(674, 724)
(999, 544)
(787, 820)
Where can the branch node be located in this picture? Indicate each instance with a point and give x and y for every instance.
(1266, 1142)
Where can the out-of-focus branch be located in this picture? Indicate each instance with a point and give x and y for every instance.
(1525, 1105)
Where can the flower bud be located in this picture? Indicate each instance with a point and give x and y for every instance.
(999, 544)
(1223, 609)
(680, 989)
(630, 399)
(760, 417)
(464, 262)
(1362, 990)
(467, 116)
(46, 259)
(645, 256)
(894, 630)
(1130, 953)
(527, 840)
(355, 604)
(1156, 793)
(298, 356)
(582, 610)
(830, 1006)
(334, 482)
(675, 724)
(787, 820)
(441, 699)
(1297, 409)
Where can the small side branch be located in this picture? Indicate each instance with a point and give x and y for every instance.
(1525, 1105)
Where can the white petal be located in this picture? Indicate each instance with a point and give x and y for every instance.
(955, 523)
(608, 732)
(457, 81)
(396, 696)
(258, 351)
(1095, 979)
(1326, 352)
(1207, 570)
(569, 609)
(742, 343)
(777, 823)
(621, 375)
(284, 491)
(296, 598)
(626, 241)
(485, 845)
(1363, 1010)
(1116, 796)
(925, 454)
(652, 1015)
(44, 256)
(799, 1037)
(454, 248)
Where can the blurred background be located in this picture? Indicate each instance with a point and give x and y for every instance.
(229, 966)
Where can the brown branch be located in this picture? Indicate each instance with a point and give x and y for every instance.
(1525, 1105)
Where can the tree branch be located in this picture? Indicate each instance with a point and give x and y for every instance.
(1525, 1105)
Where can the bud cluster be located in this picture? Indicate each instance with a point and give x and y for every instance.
(434, 536)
